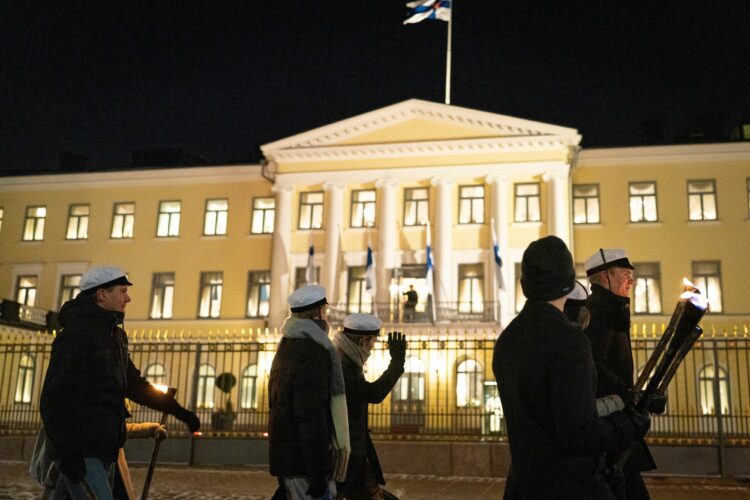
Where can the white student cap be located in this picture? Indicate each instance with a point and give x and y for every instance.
(604, 258)
(103, 277)
(307, 297)
(362, 324)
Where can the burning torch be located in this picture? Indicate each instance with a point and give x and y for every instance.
(171, 392)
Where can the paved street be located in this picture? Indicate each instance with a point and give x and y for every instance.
(244, 484)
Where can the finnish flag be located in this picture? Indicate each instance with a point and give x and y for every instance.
(428, 9)
(370, 283)
(310, 272)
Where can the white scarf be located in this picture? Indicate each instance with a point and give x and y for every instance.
(351, 349)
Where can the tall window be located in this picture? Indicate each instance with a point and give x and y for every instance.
(643, 202)
(520, 297)
(706, 394)
(300, 276)
(70, 286)
(168, 224)
(363, 208)
(647, 288)
(528, 205)
(78, 222)
(411, 385)
(264, 211)
(26, 290)
(123, 220)
(33, 227)
(249, 387)
(702, 199)
(25, 379)
(258, 293)
(471, 288)
(311, 210)
(586, 204)
(206, 384)
(215, 222)
(471, 204)
(156, 374)
(162, 295)
(210, 298)
(707, 277)
(358, 299)
(1, 215)
(469, 384)
(416, 206)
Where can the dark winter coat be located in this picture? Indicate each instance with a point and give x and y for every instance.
(300, 425)
(89, 376)
(359, 395)
(546, 379)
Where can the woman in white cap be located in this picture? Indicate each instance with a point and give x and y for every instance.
(354, 344)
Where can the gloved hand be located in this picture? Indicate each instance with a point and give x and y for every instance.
(318, 486)
(187, 416)
(158, 431)
(641, 420)
(397, 346)
(658, 404)
(73, 467)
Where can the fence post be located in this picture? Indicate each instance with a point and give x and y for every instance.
(718, 409)
(194, 398)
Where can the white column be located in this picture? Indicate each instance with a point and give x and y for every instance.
(443, 241)
(499, 211)
(281, 251)
(333, 211)
(558, 205)
(387, 237)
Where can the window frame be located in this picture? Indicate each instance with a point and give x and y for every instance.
(25, 378)
(300, 276)
(217, 217)
(313, 211)
(519, 299)
(78, 220)
(704, 381)
(206, 389)
(471, 378)
(642, 197)
(586, 199)
(64, 287)
(356, 277)
(125, 218)
(37, 223)
(696, 277)
(2, 215)
(472, 199)
(463, 269)
(264, 211)
(260, 284)
(162, 289)
(639, 274)
(702, 199)
(245, 376)
(365, 205)
(159, 378)
(526, 198)
(169, 216)
(205, 277)
(419, 202)
(18, 289)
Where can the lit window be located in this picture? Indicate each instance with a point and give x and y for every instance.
(471, 204)
(702, 200)
(264, 211)
(123, 220)
(411, 385)
(249, 388)
(33, 228)
(169, 219)
(647, 288)
(26, 290)
(215, 222)
(471, 288)
(70, 286)
(78, 222)
(258, 293)
(358, 299)
(1, 217)
(520, 297)
(706, 395)
(528, 205)
(363, 208)
(206, 384)
(707, 277)
(586, 204)
(25, 379)
(156, 374)
(311, 210)
(469, 384)
(210, 296)
(162, 295)
(300, 277)
(416, 206)
(643, 202)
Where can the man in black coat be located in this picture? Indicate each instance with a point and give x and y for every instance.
(354, 344)
(546, 380)
(89, 376)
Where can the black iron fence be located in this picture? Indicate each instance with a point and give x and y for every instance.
(448, 390)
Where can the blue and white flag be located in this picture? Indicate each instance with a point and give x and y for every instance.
(310, 272)
(370, 283)
(430, 264)
(428, 9)
(498, 260)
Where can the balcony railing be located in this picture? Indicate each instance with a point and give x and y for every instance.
(21, 315)
(398, 312)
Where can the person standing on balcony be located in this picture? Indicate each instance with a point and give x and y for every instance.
(89, 376)
(355, 344)
(308, 429)
(545, 376)
(410, 306)
(611, 275)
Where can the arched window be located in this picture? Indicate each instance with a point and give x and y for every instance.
(248, 387)
(25, 379)
(706, 379)
(411, 385)
(206, 381)
(156, 374)
(469, 383)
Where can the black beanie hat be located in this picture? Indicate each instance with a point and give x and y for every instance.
(547, 271)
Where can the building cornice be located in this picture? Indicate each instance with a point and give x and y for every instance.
(680, 153)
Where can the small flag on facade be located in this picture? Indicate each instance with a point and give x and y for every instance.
(370, 283)
(310, 272)
(428, 9)
(430, 264)
(498, 260)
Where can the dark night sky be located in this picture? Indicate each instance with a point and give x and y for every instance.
(103, 79)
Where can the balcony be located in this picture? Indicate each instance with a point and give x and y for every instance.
(423, 313)
(22, 316)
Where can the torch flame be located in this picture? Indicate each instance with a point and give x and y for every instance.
(695, 298)
(161, 388)
(688, 286)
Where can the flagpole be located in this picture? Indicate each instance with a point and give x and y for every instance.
(448, 55)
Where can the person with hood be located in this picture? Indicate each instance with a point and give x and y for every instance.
(89, 376)
(308, 428)
(355, 344)
(545, 376)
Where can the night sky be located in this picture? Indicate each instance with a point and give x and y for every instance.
(103, 79)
